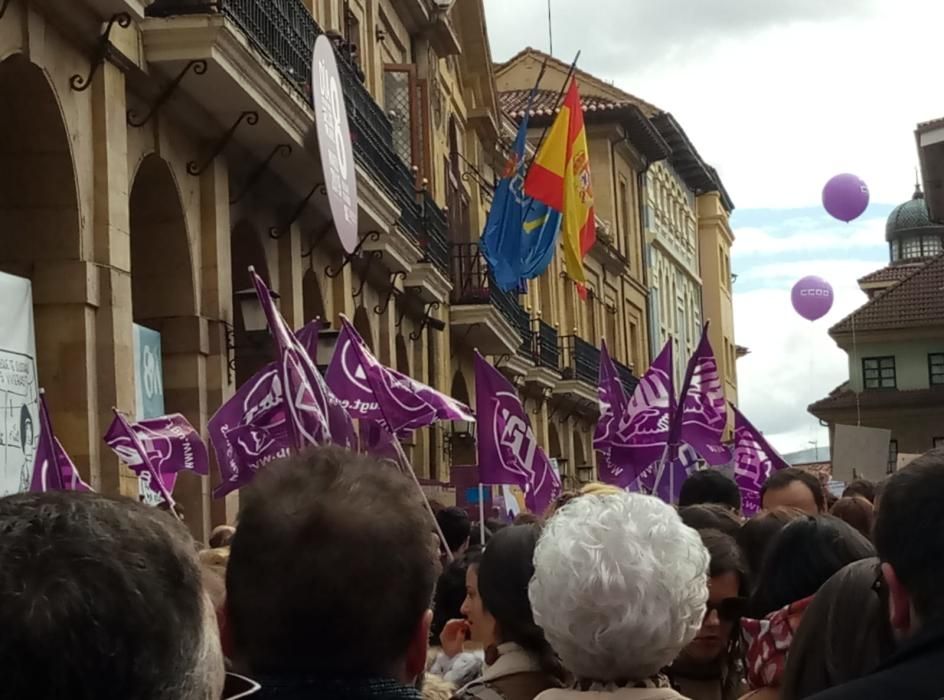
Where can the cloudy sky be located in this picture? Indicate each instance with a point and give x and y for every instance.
(779, 96)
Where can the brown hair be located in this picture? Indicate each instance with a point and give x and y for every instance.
(857, 511)
(844, 634)
(756, 534)
(331, 568)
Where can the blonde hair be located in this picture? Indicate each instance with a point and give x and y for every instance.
(595, 488)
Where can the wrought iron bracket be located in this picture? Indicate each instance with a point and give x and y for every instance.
(198, 66)
(502, 359)
(105, 47)
(316, 240)
(276, 232)
(371, 255)
(196, 169)
(371, 235)
(382, 307)
(425, 321)
(4, 4)
(283, 148)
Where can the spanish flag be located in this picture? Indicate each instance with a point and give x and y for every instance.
(560, 178)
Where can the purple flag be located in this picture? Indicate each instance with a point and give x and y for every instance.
(643, 429)
(508, 451)
(754, 461)
(371, 391)
(315, 415)
(703, 412)
(377, 441)
(126, 443)
(612, 407)
(250, 430)
(53, 470)
(171, 443)
(678, 469)
(308, 337)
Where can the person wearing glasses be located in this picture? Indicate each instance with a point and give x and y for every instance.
(710, 667)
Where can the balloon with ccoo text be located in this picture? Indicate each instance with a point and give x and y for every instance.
(845, 197)
(812, 297)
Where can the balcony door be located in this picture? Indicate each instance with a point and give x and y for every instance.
(407, 106)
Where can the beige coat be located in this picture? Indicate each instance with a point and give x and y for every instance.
(618, 694)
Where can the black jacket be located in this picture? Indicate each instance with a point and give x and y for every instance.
(914, 672)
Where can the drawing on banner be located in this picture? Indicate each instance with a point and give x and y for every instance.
(19, 393)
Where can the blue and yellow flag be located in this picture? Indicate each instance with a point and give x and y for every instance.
(520, 233)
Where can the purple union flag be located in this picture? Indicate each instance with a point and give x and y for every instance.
(754, 461)
(508, 450)
(53, 469)
(612, 407)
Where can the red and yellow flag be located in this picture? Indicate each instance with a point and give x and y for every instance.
(560, 178)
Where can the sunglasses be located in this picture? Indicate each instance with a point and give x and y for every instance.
(729, 609)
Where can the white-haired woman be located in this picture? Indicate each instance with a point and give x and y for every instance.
(620, 588)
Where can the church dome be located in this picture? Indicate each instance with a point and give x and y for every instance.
(911, 234)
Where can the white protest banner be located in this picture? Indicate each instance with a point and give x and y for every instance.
(19, 389)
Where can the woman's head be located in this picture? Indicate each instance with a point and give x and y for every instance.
(450, 593)
(620, 586)
(756, 535)
(802, 558)
(857, 511)
(844, 634)
(711, 516)
(727, 591)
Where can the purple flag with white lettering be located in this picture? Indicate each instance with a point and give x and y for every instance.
(53, 470)
(371, 391)
(308, 336)
(172, 444)
(315, 415)
(754, 461)
(703, 412)
(124, 440)
(676, 470)
(612, 406)
(250, 430)
(509, 452)
(643, 429)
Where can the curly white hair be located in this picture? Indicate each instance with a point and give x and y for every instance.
(620, 586)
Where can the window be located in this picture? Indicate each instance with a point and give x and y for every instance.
(633, 344)
(879, 373)
(938, 443)
(936, 369)
(405, 102)
(911, 248)
(626, 238)
(931, 246)
(892, 456)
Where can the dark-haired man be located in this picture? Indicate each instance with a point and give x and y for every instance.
(457, 529)
(330, 579)
(909, 538)
(710, 486)
(794, 488)
(102, 598)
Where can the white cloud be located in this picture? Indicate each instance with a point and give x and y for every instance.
(812, 237)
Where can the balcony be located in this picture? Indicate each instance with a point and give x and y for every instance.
(545, 353)
(430, 276)
(629, 380)
(482, 314)
(580, 368)
(259, 54)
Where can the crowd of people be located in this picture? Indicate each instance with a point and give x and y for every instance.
(334, 586)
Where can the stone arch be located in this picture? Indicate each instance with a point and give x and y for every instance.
(463, 445)
(313, 304)
(363, 327)
(580, 452)
(251, 351)
(162, 269)
(403, 355)
(554, 443)
(41, 240)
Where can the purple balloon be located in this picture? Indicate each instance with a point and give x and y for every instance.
(845, 197)
(812, 297)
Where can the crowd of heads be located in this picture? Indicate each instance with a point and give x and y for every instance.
(333, 574)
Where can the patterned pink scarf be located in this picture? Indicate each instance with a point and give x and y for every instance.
(768, 642)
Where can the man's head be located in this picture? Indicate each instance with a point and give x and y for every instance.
(456, 527)
(794, 488)
(710, 486)
(221, 536)
(909, 537)
(102, 598)
(331, 570)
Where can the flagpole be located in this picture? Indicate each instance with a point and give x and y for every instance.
(481, 515)
(155, 474)
(409, 467)
(557, 102)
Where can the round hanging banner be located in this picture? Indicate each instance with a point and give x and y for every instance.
(334, 142)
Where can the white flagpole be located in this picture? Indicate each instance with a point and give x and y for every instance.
(409, 467)
(481, 515)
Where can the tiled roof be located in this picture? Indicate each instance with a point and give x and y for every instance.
(933, 124)
(891, 273)
(582, 76)
(846, 398)
(545, 103)
(916, 301)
